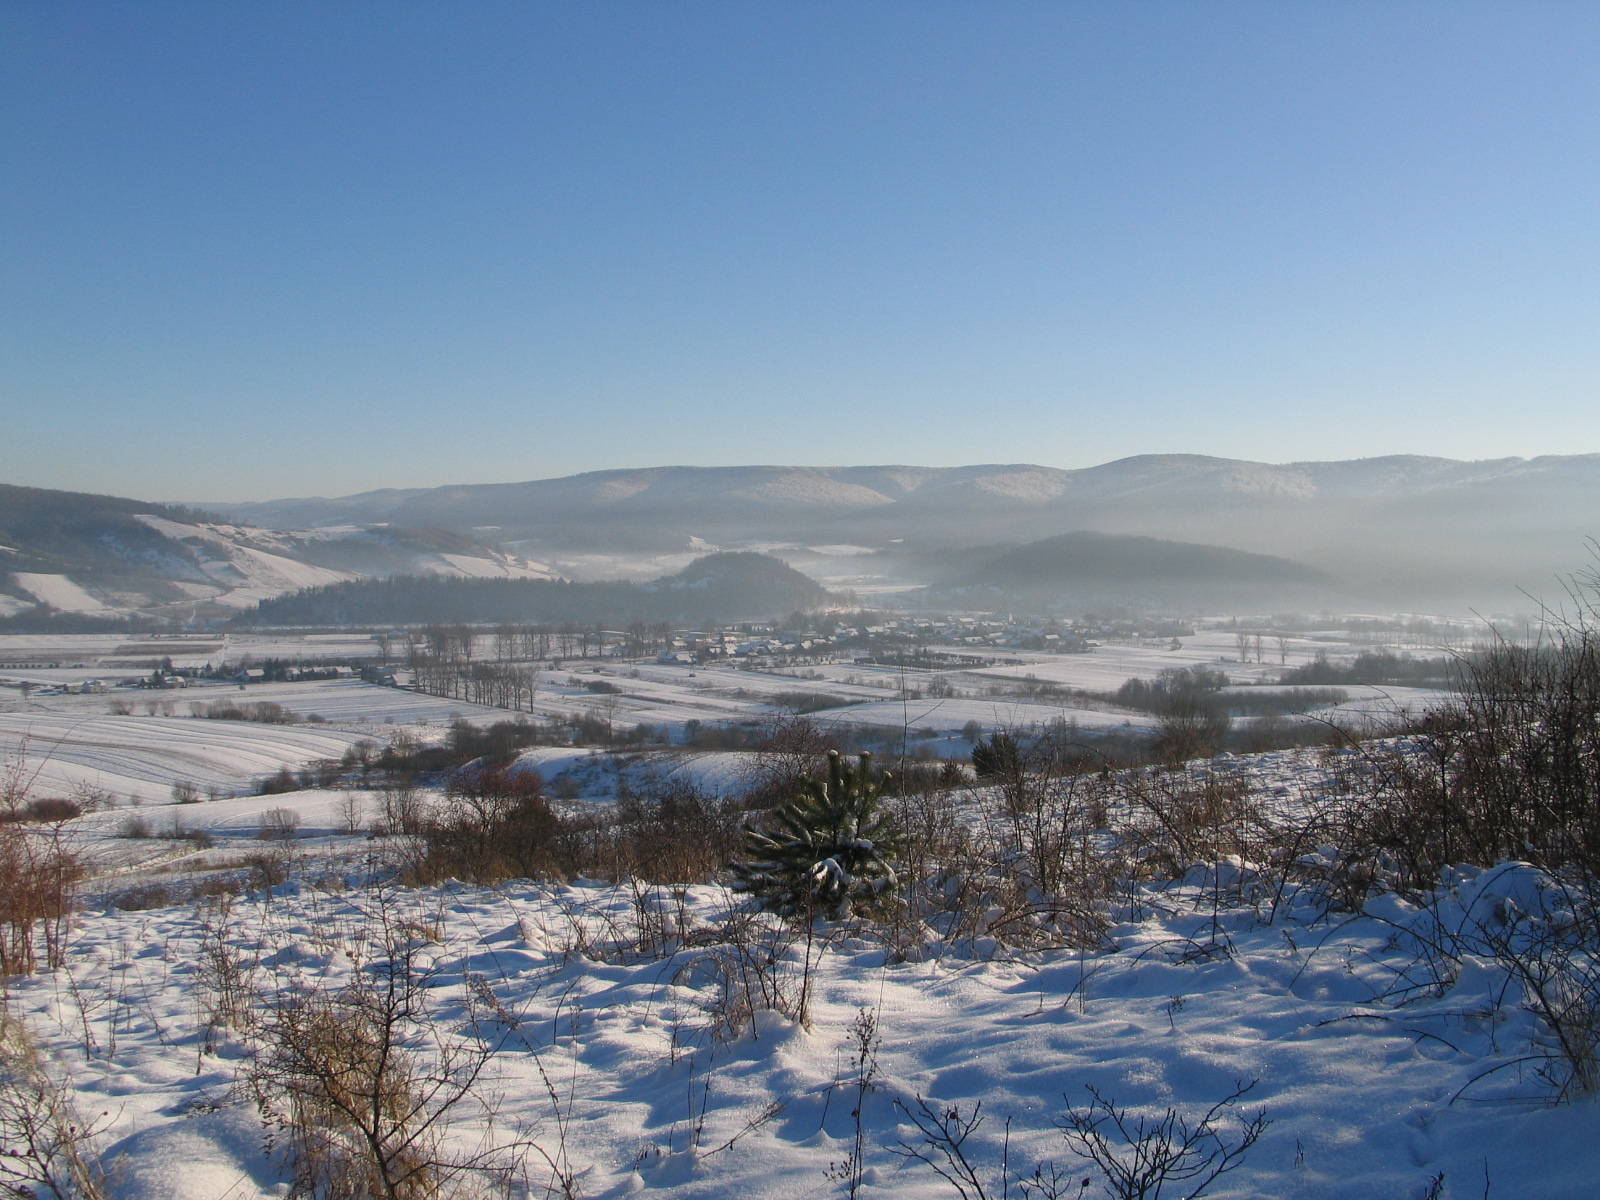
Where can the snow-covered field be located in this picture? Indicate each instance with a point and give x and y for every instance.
(632, 1069)
(58, 591)
(112, 652)
(1108, 665)
(136, 743)
(637, 1064)
(136, 757)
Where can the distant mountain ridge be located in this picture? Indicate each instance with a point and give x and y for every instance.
(682, 490)
(107, 555)
(1400, 529)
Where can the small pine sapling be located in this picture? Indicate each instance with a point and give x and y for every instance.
(832, 851)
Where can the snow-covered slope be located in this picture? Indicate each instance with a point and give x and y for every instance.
(641, 1068)
(1406, 528)
(101, 555)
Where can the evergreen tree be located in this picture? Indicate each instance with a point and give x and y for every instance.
(998, 757)
(832, 850)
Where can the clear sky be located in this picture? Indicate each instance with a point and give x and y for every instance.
(251, 250)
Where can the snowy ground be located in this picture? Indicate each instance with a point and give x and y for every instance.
(136, 743)
(141, 757)
(623, 1063)
(58, 591)
(657, 1087)
(1109, 664)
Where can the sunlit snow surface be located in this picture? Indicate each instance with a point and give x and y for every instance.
(1362, 1094)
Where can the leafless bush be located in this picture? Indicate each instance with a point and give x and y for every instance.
(212, 887)
(279, 825)
(40, 878)
(146, 896)
(225, 977)
(1509, 769)
(1175, 818)
(322, 773)
(864, 1042)
(793, 749)
(404, 810)
(275, 785)
(752, 968)
(1191, 727)
(494, 824)
(363, 1082)
(943, 1132)
(1542, 935)
(90, 798)
(46, 810)
(46, 1148)
(1035, 874)
(1141, 1156)
(265, 870)
(675, 833)
(351, 813)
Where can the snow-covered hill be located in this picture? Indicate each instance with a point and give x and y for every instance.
(1400, 528)
(101, 555)
(628, 1039)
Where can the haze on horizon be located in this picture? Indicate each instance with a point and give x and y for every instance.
(271, 250)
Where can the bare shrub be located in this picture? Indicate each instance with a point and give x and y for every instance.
(351, 813)
(90, 798)
(275, 785)
(752, 969)
(1542, 935)
(943, 1132)
(792, 749)
(1177, 818)
(1140, 1156)
(494, 825)
(279, 825)
(864, 1042)
(211, 887)
(1036, 874)
(41, 876)
(268, 712)
(1509, 769)
(322, 773)
(1189, 727)
(146, 896)
(403, 809)
(265, 870)
(47, 810)
(46, 1148)
(363, 1081)
(674, 833)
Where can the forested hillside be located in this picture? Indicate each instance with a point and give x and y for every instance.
(719, 587)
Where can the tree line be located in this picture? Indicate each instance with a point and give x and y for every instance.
(719, 587)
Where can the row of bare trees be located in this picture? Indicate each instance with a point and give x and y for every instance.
(493, 685)
(459, 642)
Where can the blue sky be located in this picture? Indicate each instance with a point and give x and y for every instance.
(257, 250)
